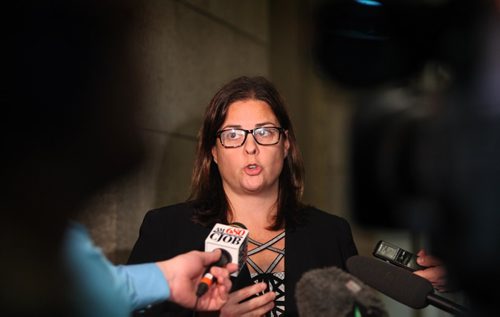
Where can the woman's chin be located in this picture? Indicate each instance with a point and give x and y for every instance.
(253, 187)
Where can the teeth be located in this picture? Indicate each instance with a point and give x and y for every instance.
(252, 166)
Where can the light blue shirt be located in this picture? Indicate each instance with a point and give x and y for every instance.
(106, 290)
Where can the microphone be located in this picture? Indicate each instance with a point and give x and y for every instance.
(400, 284)
(333, 292)
(232, 241)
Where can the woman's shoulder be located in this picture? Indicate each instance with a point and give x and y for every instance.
(179, 209)
(172, 215)
(175, 219)
(317, 218)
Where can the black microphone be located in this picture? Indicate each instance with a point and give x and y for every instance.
(334, 293)
(400, 284)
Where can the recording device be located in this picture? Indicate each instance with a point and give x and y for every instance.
(393, 254)
(231, 238)
(334, 293)
(400, 284)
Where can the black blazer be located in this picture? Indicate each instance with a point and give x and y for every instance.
(322, 240)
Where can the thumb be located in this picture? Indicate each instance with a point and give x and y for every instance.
(211, 257)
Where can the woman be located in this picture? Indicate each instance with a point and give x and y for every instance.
(249, 170)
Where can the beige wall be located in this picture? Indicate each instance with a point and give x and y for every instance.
(187, 50)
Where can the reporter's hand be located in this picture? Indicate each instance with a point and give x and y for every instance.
(257, 306)
(435, 272)
(184, 272)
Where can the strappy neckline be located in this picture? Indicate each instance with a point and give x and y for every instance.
(266, 246)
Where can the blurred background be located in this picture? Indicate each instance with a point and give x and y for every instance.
(187, 49)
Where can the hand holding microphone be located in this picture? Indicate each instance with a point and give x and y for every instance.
(183, 274)
(232, 241)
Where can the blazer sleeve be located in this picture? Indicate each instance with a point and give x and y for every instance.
(347, 245)
(148, 247)
(167, 232)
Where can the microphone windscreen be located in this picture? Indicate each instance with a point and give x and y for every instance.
(233, 239)
(333, 292)
(395, 282)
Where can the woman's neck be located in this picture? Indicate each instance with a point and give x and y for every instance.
(253, 211)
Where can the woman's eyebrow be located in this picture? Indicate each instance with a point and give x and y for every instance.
(229, 126)
(238, 126)
(265, 123)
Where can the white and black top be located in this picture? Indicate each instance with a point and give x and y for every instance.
(274, 280)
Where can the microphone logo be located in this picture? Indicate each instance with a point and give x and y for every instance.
(228, 235)
(232, 239)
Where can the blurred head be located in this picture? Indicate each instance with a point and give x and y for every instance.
(69, 109)
(67, 130)
(246, 103)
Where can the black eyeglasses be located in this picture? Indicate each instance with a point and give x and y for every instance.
(232, 137)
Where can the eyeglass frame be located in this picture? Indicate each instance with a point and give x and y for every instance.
(247, 132)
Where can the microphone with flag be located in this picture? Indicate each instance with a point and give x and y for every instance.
(334, 293)
(232, 240)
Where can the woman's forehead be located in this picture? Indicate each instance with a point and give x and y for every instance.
(250, 111)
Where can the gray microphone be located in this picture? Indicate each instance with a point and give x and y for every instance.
(333, 292)
(400, 284)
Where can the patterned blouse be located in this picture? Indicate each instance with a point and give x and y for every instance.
(274, 280)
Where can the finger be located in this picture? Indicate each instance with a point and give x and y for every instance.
(259, 305)
(219, 272)
(211, 257)
(434, 274)
(429, 260)
(232, 267)
(246, 292)
(261, 311)
(222, 276)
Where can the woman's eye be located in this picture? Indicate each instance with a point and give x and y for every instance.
(262, 132)
(232, 135)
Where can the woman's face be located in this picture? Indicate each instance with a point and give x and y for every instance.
(251, 168)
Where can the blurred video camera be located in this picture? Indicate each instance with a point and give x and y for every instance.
(424, 157)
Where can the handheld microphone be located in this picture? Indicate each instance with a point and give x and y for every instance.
(232, 241)
(400, 284)
(233, 238)
(335, 293)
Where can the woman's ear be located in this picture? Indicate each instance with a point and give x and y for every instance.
(214, 154)
(287, 145)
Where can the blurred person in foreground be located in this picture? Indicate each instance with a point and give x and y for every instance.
(67, 130)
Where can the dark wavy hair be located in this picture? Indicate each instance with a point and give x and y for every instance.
(207, 193)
